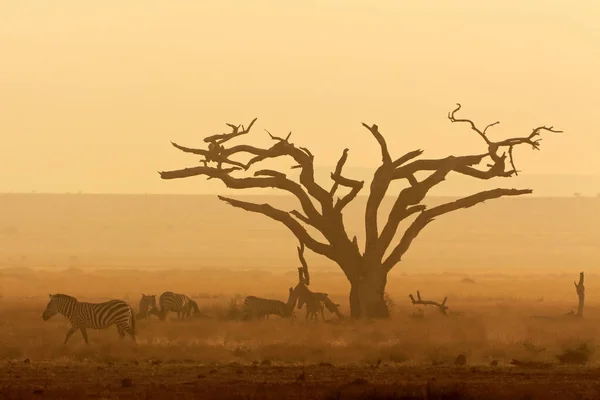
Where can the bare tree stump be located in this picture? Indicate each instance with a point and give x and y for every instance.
(580, 289)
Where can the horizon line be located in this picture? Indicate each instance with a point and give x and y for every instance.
(82, 193)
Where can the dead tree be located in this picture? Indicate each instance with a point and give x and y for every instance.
(321, 227)
(580, 290)
(441, 306)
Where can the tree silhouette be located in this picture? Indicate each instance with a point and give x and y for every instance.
(322, 211)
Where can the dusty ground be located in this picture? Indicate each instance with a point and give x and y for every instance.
(497, 319)
(81, 380)
(521, 259)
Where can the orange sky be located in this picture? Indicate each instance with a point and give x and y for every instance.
(91, 93)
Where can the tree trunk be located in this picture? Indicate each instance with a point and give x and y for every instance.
(366, 295)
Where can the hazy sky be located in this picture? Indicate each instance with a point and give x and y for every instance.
(91, 93)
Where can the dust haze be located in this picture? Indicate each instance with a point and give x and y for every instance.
(508, 281)
(386, 227)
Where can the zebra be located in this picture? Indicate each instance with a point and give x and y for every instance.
(332, 307)
(147, 303)
(179, 303)
(192, 306)
(91, 315)
(261, 308)
(315, 303)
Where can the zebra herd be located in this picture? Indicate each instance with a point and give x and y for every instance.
(102, 315)
(83, 315)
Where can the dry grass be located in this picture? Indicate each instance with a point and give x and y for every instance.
(495, 325)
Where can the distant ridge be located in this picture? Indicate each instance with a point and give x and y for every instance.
(543, 185)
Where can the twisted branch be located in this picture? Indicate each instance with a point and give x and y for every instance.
(441, 306)
(286, 219)
(429, 215)
(494, 147)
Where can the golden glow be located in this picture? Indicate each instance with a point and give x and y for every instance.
(92, 93)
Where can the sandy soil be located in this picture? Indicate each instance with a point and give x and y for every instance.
(147, 380)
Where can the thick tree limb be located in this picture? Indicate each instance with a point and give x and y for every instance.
(270, 172)
(302, 217)
(274, 180)
(429, 215)
(305, 276)
(461, 163)
(338, 179)
(286, 219)
(412, 195)
(379, 186)
(355, 187)
(398, 214)
(304, 160)
(382, 178)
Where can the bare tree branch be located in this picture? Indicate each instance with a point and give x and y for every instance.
(462, 164)
(338, 171)
(304, 269)
(385, 154)
(356, 187)
(270, 172)
(382, 178)
(407, 157)
(221, 138)
(302, 217)
(428, 216)
(279, 139)
(286, 219)
(452, 118)
(441, 306)
(304, 160)
(494, 147)
(410, 196)
(275, 180)
(215, 150)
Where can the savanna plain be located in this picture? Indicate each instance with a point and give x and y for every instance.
(507, 269)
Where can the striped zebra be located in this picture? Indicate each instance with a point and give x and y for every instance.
(147, 303)
(176, 302)
(332, 307)
(91, 315)
(257, 307)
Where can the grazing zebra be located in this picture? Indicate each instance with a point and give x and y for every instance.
(192, 306)
(332, 307)
(257, 307)
(179, 303)
(314, 304)
(147, 303)
(91, 315)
